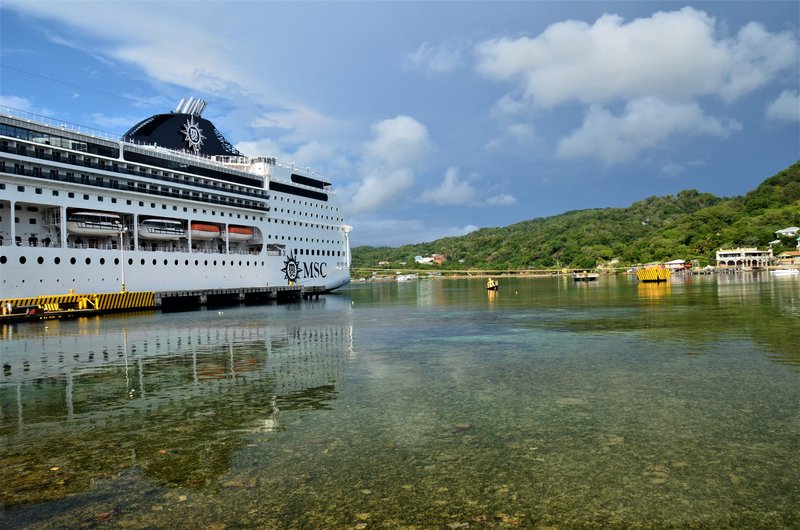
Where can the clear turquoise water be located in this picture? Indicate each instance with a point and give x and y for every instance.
(429, 404)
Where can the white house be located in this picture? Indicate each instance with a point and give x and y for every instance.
(788, 232)
(744, 258)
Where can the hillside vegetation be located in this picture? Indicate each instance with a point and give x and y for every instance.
(689, 225)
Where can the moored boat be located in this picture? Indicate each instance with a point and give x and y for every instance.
(161, 229)
(204, 231)
(94, 224)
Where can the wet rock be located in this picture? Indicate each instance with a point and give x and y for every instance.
(461, 427)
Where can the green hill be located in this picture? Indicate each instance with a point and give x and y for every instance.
(689, 225)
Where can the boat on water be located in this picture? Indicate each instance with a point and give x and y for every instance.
(170, 205)
(492, 285)
(585, 276)
(406, 277)
(785, 272)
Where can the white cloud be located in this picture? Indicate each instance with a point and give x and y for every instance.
(16, 102)
(674, 56)
(382, 231)
(785, 107)
(644, 123)
(439, 59)
(501, 200)
(452, 190)
(389, 162)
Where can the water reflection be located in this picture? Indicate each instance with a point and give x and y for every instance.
(81, 402)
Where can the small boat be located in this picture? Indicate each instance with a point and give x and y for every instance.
(784, 272)
(406, 277)
(653, 274)
(96, 224)
(585, 276)
(161, 229)
(492, 285)
(240, 233)
(204, 231)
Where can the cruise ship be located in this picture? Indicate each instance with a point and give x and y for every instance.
(169, 206)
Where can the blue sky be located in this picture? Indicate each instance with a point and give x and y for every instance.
(437, 118)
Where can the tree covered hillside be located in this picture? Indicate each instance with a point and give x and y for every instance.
(689, 225)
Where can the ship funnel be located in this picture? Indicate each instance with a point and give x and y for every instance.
(191, 106)
(180, 104)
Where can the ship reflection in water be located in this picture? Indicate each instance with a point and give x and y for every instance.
(174, 396)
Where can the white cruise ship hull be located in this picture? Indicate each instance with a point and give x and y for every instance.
(295, 232)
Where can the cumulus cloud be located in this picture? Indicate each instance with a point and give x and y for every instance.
(389, 162)
(673, 56)
(644, 123)
(785, 108)
(436, 59)
(452, 190)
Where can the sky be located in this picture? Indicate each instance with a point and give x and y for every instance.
(434, 119)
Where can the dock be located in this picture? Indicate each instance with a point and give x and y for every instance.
(73, 305)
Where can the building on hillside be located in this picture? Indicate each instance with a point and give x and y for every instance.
(423, 261)
(744, 258)
(438, 258)
(788, 232)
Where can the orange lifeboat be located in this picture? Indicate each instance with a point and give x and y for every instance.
(240, 233)
(203, 231)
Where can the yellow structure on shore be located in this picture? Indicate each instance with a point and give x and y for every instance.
(657, 273)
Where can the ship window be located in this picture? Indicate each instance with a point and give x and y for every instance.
(99, 199)
(102, 261)
(205, 262)
(142, 261)
(71, 195)
(88, 261)
(40, 260)
(130, 261)
(113, 200)
(165, 262)
(72, 261)
(55, 193)
(85, 197)
(32, 221)
(116, 261)
(38, 191)
(57, 260)
(3, 259)
(22, 260)
(154, 262)
(20, 188)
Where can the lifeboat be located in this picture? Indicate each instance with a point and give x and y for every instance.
(204, 231)
(240, 233)
(97, 224)
(161, 229)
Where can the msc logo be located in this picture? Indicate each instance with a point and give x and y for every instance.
(293, 271)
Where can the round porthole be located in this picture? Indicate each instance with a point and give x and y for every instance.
(57, 260)
(23, 259)
(72, 261)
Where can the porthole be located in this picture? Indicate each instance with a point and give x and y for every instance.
(40, 260)
(186, 262)
(165, 262)
(72, 261)
(205, 263)
(116, 261)
(22, 259)
(3, 259)
(176, 262)
(215, 263)
(154, 262)
(223, 263)
(142, 261)
(88, 261)
(196, 263)
(130, 261)
(57, 260)
(102, 261)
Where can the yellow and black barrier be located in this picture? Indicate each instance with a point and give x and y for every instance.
(63, 304)
(653, 274)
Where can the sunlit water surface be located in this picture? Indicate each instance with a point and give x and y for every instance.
(421, 404)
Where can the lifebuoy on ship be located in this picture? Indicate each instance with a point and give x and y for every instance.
(204, 231)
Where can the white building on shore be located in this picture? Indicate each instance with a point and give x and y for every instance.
(744, 258)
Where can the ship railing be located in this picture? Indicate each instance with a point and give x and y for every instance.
(59, 124)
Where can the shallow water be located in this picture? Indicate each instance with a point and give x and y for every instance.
(420, 404)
